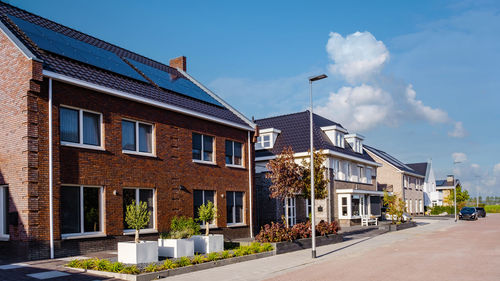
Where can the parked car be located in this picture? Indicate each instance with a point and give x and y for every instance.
(406, 217)
(481, 212)
(468, 213)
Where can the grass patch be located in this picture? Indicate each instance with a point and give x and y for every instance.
(492, 208)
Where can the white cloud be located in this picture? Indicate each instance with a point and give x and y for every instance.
(458, 131)
(357, 57)
(433, 115)
(496, 169)
(459, 157)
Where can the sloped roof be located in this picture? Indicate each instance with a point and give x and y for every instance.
(43, 38)
(419, 168)
(391, 160)
(295, 130)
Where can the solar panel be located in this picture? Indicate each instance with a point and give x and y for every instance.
(63, 45)
(178, 84)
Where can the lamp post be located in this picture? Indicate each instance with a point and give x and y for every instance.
(313, 212)
(455, 191)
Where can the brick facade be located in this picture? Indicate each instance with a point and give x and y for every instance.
(24, 160)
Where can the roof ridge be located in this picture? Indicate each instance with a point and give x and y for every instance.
(283, 115)
(128, 53)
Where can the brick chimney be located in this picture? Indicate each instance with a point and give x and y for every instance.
(179, 63)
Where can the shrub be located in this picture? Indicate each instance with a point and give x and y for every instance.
(87, 264)
(226, 254)
(131, 270)
(197, 259)
(74, 263)
(152, 268)
(266, 247)
(437, 210)
(181, 227)
(102, 265)
(183, 261)
(169, 264)
(492, 208)
(116, 267)
(254, 248)
(213, 256)
(277, 232)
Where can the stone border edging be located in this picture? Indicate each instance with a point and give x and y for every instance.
(305, 243)
(176, 271)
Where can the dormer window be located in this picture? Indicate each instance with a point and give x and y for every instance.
(356, 142)
(335, 134)
(267, 138)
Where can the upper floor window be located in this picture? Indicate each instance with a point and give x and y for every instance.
(361, 174)
(137, 137)
(80, 127)
(405, 181)
(234, 153)
(203, 147)
(368, 175)
(263, 141)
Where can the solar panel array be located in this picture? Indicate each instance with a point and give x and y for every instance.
(63, 45)
(178, 84)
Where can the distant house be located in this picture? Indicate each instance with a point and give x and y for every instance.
(445, 188)
(401, 179)
(103, 127)
(431, 196)
(352, 191)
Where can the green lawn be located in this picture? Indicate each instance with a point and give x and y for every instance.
(492, 208)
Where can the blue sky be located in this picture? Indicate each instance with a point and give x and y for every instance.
(427, 86)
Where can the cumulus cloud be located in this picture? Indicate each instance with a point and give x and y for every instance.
(357, 57)
(458, 131)
(459, 157)
(433, 115)
(496, 169)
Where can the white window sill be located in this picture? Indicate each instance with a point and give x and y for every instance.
(139, 153)
(236, 224)
(4, 237)
(79, 145)
(235, 166)
(82, 235)
(204, 162)
(142, 231)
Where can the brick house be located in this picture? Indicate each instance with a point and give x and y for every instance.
(123, 128)
(352, 173)
(399, 178)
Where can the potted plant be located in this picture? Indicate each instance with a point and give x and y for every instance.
(208, 243)
(135, 252)
(177, 242)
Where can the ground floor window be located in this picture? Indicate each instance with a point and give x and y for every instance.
(234, 207)
(308, 208)
(290, 211)
(355, 206)
(81, 209)
(344, 206)
(136, 195)
(201, 197)
(4, 209)
(421, 205)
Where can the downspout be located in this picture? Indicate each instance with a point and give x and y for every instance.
(51, 176)
(250, 189)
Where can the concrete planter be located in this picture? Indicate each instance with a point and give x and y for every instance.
(396, 227)
(136, 253)
(208, 244)
(306, 243)
(175, 248)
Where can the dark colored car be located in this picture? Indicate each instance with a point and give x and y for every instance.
(481, 212)
(468, 213)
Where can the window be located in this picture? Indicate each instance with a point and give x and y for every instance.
(349, 171)
(80, 127)
(336, 168)
(361, 174)
(233, 153)
(405, 181)
(308, 208)
(355, 205)
(290, 211)
(368, 175)
(263, 141)
(202, 197)
(344, 206)
(234, 207)
(203, 147)
(137, 137)
(136, 195)
(4, 209)
(81, 210)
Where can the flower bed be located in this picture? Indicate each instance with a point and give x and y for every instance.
(277, 232)
(104, 265)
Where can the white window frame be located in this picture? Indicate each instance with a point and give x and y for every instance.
(213, 162)
(336, 168)
(348, 200)
(260, 144)
(290, 205)
(242, 149)
(213, 224)
(405, 181)
(144, 230)
(80, 143)
(82, 215)
(136, 127)
(349, 171)
(369, 180)
(361, 174)
(233, 208)
(3, 213)
(308, 205)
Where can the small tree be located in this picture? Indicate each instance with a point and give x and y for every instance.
(462, 197)
(137, 217)
(285, 175)
(207, 213)
(395, 207)
(320, 181)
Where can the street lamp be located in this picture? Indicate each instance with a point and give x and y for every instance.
(313, 213)
(455, 191)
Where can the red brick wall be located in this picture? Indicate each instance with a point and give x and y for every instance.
(19, 85)
(114, 170)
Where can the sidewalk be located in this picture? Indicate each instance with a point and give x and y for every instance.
(356, 245)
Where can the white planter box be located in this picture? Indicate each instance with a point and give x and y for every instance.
(208, 244)
(135, 253)
(175, 248)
